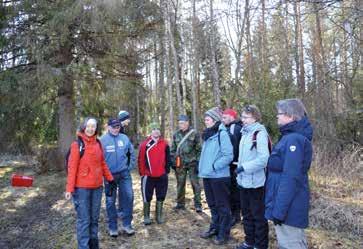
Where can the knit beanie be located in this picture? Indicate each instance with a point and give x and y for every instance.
(215, 113)
(154, 126)
(123, 115)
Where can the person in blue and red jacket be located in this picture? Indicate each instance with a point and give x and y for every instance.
(287, 186)
(154, 166)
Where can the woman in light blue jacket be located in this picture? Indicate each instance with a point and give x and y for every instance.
(216, 155)
(252, 161)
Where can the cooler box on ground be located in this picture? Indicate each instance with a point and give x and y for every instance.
(21, 180)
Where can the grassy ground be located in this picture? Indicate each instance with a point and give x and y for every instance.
(39, 217)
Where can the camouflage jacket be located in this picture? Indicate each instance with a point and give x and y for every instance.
(189, 151)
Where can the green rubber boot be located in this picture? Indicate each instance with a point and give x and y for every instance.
(147, 220)
(159, 212)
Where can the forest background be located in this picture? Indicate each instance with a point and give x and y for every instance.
(62, 60)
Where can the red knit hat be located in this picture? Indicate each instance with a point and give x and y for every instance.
(230, 112)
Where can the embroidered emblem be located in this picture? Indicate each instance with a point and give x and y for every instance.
(292, 148)
(120, 143)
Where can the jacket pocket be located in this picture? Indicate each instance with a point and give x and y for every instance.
(84, 171)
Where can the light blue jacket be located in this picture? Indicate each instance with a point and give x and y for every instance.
(216, 155)
(253, 161)
(119, 152)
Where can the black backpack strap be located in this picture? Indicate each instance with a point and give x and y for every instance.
(81, 146)
(254, 140)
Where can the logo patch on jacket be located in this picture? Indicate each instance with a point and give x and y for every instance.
(110, 148)
(292, 148)
(120, 143)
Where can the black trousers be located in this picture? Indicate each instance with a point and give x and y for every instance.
(217, 192)
(253, 211)
(149, 184)
(235, 194)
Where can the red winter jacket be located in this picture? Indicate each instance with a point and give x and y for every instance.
(154, 158)
(88, 171)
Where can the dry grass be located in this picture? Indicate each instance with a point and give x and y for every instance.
(39, 217)
(337, 203)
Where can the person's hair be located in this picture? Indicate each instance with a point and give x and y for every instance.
(83, 125)
(292, 107)
(253, 110)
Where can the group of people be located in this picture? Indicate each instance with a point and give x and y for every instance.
(241, 172)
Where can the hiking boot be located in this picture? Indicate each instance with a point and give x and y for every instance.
(113, 233)
(159, 212)
(198, 209)
(219, 242)
(244, 245)
(179, 206)
(208, 234)
(147, 220)
(93, 244)
(129, 230)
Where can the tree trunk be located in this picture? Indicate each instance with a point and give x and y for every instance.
(66, 107)
(168, 73)
(195, 70)
(214, 73)
(170, 33)
(161, 83)
(300, 48)
(182, 72)
(251, 83)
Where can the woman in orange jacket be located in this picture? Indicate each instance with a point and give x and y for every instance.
(86, 169)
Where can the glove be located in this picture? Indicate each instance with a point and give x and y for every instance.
(196, 169)
(112, 186)
(239, 170)
(277, 222)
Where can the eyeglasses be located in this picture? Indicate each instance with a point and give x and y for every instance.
(245, 117)
(280, 113)
(116, 127)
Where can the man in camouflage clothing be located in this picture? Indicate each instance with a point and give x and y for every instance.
(186, 146)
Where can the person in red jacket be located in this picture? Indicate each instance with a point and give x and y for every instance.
(154, 166)
(85, 183)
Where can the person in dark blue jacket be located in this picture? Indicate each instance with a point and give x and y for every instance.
(120, 158)
(287, 188)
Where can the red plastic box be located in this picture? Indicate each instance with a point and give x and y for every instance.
(21, 181)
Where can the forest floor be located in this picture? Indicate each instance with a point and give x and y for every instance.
(39, 217)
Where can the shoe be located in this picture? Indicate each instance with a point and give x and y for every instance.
(129, 230)
(147, 220)
(93, 244)
(179, 206)
(208, 234)
(217, 241)
(159, 212)
(113, 233)
(244, 245)
(198, 209)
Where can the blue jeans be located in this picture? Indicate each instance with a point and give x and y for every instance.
(125, 199)
(87, 203)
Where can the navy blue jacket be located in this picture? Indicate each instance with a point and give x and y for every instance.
(287, 187)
